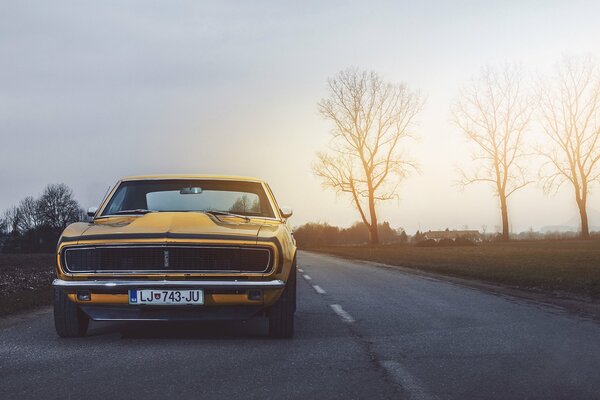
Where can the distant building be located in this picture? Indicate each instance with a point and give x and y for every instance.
(447, 234)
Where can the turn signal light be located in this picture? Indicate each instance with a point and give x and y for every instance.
(254, 294)
(84, 295)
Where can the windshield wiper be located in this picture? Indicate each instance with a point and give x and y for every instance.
(226, 213)
(136, 211)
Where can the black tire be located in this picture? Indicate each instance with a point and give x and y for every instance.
(69, 320)
(281, 314)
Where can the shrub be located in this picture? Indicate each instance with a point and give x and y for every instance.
(461, 241)
(446, 243)
(426, 243)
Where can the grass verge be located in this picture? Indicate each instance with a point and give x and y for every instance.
(25, 281)
(558, 267)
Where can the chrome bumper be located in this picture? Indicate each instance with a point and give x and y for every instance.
(130, 284)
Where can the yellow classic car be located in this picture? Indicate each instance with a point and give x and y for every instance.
(182, 247)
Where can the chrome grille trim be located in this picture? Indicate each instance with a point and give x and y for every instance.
(167, 259)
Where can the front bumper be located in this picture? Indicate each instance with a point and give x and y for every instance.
(223, 299)
(119, 285)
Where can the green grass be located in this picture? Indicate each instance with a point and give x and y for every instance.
(25, 281)
(569, 267)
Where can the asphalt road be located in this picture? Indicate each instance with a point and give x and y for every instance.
(361, 332)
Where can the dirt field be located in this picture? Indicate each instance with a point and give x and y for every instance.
(559, 267)
(25, 281)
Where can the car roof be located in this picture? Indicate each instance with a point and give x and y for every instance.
(191, 176)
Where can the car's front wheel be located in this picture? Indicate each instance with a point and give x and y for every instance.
(69, 320)
(281, 314)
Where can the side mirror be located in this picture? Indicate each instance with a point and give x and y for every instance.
(286, 212)
(92, 211)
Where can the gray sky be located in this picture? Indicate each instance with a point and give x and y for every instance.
(92, 91)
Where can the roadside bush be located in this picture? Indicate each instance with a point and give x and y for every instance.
(311, 235)
(461, 241)
(426, 243)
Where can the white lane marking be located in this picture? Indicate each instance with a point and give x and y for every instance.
(307, 277)
(406, 380)
(318, 289)
(342, 313)
(300, 270)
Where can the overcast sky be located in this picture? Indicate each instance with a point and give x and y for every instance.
(92, 91)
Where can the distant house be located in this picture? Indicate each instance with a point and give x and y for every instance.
(447, 234)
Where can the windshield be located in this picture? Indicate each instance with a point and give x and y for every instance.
(239, 197)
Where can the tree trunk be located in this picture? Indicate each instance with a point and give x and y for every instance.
(585, 229)
(373, 235)
(373, 228)
(504, 209)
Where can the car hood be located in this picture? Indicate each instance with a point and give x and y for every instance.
(166, 225)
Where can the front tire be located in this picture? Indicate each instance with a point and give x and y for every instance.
(69, 320)
(281, 314)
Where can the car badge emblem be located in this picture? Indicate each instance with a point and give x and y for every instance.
(166, 258)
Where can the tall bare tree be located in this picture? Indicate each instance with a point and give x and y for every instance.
(370, 118)
(29, 214)
(570, 117)
(57, 207)
(494, 112)
(12, 219)
(3, 227)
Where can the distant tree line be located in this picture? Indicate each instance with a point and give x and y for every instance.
(315, 234)
(35, 224)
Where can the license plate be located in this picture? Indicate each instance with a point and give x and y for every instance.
(166, 297)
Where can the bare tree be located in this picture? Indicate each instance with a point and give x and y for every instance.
(370, 118)
(57, 208)
(3, 227)
(12, 218)
(570, 117)
(494, 112)
(29, 214)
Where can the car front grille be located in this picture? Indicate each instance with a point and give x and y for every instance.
(167, 259)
